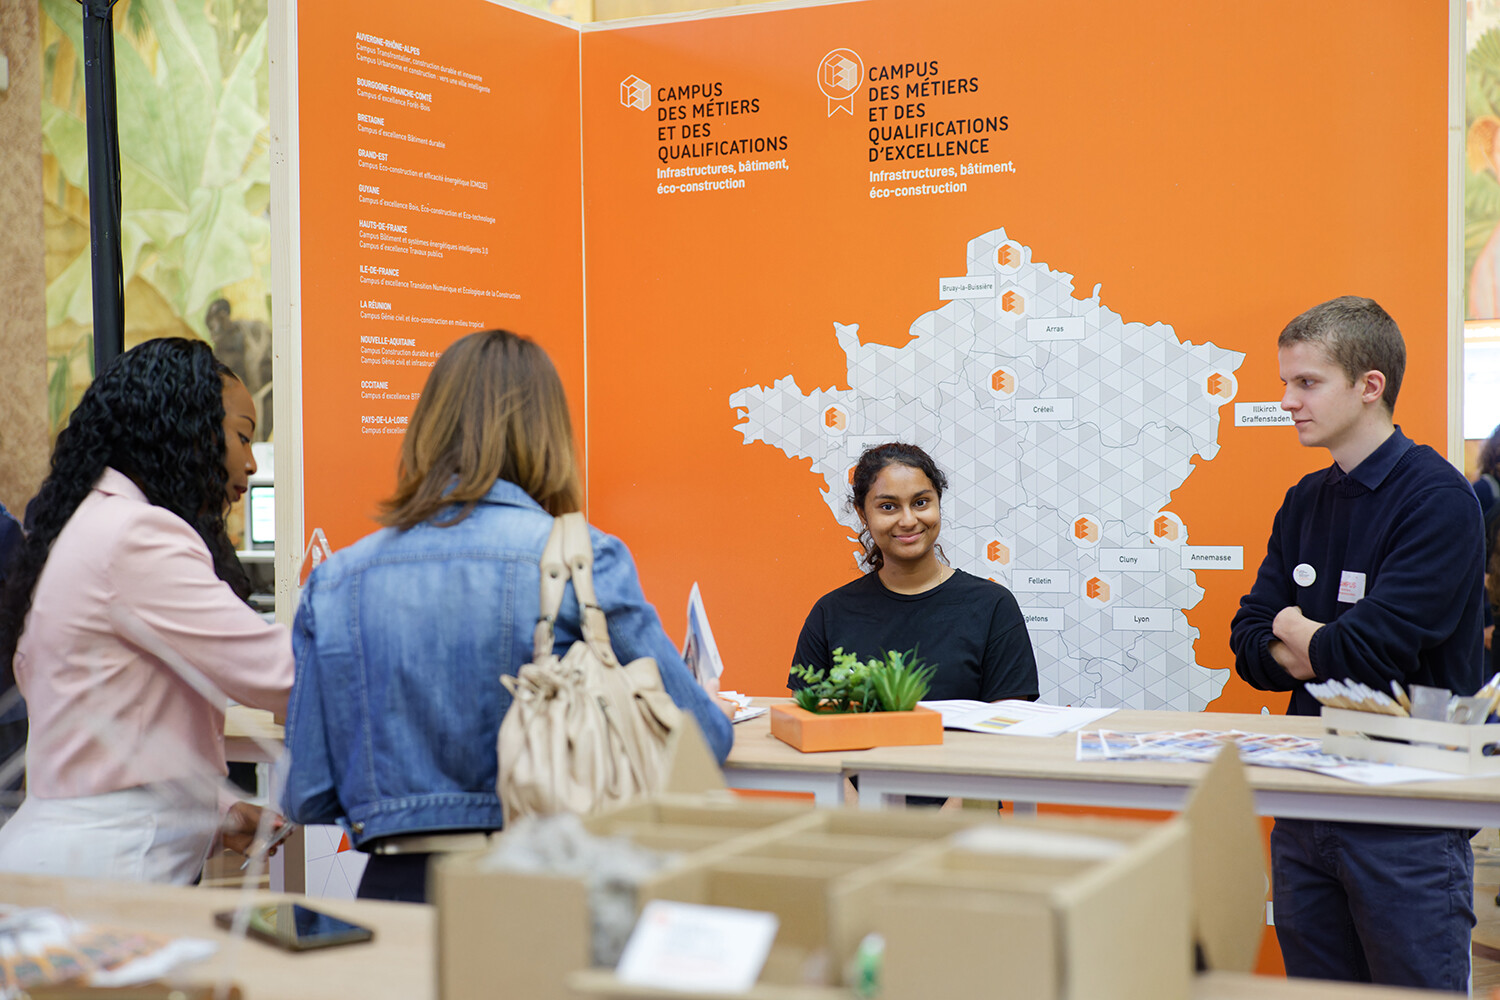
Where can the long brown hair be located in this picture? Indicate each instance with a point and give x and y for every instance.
(493, 408)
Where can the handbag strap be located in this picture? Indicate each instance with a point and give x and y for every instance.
(570, 553)
(554, 582)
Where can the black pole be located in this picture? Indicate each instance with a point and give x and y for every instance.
(104, 181)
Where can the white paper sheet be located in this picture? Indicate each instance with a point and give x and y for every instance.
(708, 949)
(1014, 717)
(742, 708)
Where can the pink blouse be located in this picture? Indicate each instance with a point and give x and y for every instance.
(126, 600)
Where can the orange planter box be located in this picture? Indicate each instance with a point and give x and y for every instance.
(813, 731)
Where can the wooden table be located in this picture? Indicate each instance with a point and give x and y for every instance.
(1234, 986)
(252, 735)
(760, 761)
(1210, 986)
(1028, 770)
(398, 963)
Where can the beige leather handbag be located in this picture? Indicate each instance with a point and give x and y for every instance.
(583, 731)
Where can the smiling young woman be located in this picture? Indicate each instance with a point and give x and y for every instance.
(970, 629)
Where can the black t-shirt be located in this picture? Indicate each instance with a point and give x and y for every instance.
(970, 629)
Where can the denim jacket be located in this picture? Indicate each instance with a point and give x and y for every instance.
(400, 641)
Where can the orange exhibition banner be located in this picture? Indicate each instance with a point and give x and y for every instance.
(1054, 250)
(432, 205)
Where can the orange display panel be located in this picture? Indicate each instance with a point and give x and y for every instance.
(808, 230)
(439, 195)
(1211, 177)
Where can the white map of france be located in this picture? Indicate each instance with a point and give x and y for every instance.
(1063, 431)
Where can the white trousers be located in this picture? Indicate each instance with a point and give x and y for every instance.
(158, 833)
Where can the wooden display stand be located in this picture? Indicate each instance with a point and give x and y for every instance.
(1063, 908)
(1437, 746)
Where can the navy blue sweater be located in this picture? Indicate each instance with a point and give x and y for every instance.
(1409, 522)
(970, 629)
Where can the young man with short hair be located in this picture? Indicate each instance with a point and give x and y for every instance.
(1372, 574)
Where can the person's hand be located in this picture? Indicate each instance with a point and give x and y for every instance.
(238, 828)
(1288, 661)
(1294, 632)
(724, 705)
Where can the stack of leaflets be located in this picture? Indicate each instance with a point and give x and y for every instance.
(701, 654)
(1014, 717)
(1202, 745)
(41, 948)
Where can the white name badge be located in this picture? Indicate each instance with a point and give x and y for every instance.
(1305, 575)
(1351, 587)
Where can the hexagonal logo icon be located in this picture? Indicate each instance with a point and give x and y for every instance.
(1013, 302)
(835, 420)
(1166, 529)
(1007, 256)
(635, 93)
(1096, 589)
(1220, 386)
(1085, 530)
(839, 77)
(1002, 383)
(997, 552)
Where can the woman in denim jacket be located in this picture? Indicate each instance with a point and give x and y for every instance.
(401, 637)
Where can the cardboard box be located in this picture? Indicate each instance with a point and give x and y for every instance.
(1117, 917)
(524, 933)
(1438, 746)
(692, 823)
(817, 731)
(791, 869)
(505, 932)
(1066, 908)
(1055, 923)
(1053, 908)
(1229, 868)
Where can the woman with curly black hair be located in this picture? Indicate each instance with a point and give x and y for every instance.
(124, 622)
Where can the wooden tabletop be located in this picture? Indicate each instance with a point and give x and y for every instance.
(1235, 986)
(755, 747)
(1050, 759)
(1055, 758)
(1032, 770)
(1211, 986)
(252, 734)
(398, 963)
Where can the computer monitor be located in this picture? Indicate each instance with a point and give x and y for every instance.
(260, 517)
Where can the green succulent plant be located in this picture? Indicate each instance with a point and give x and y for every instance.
(893, 684)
